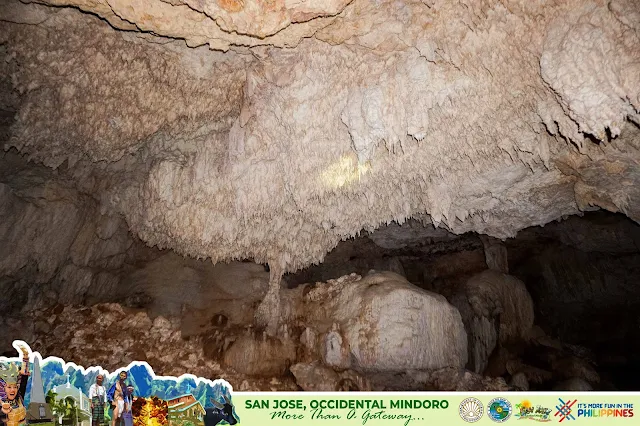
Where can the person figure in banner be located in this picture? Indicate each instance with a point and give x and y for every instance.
(13, 387)
(127, 416)
(117, 395)
(98, 398)
(132, 397)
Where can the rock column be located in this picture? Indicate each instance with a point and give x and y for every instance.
(495, 253)
(267, 315)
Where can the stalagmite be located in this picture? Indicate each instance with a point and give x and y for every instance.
(495, 254)
(268, 312)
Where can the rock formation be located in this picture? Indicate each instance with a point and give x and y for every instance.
(381, 323)
(424, 93)
(353, 333)
(497, 310)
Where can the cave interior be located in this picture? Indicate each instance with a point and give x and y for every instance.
(358, 195)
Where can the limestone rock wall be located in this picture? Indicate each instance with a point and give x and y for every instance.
(579, 294)
(581, 273)
(55, 244)
(173, 286)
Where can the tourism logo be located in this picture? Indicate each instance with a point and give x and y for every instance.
(499, 410)
(471, 410)
(538, 413)
(605, 410)
(564, 410)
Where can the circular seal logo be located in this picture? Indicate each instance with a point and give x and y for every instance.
(471, 410)
(499, 410)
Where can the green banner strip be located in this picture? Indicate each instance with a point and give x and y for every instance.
(413, 408)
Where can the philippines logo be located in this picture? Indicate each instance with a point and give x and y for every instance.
(471, 410)
(564, 409)
(499, 410)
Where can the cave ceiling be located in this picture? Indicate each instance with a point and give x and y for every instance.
(272, 130)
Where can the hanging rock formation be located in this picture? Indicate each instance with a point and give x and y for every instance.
(382, 111)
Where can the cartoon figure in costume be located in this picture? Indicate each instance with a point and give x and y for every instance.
(13, 387)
